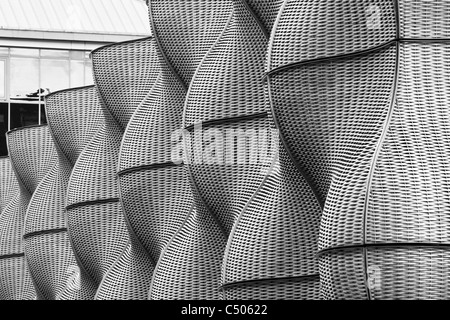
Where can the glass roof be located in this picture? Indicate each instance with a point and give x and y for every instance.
(84, 16)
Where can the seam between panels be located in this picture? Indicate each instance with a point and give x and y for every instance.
(149, 167)
(161, 50)
(166, 247)
(442, 246)
(232, 120)
(291, 279)
(350, 55)
(341, 56)
(190, 175)
(397, 18)
(11, 256)
(44, 232)
(375, 158)
(92, 202)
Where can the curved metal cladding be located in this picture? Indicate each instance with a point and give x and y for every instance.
(182, 238)
(361, 98)
(266, 209)
(32, 155)
(94, 217)
(9, 187)
(9, 192)
(73, 117)
(179, 24)
(125, 74)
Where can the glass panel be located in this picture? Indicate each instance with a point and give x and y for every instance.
(19, 52)
(54, 74)
(88, 77)
(77, 55)
(59, 54)
(2, 78)
(43, 115)
(23, 115)
(24, 79)
(3, 128)
(76, 73)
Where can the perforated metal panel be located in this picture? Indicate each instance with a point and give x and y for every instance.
(32, 155)
(267, 210)
(125, 74)
(94, 218)
(73, 119)
(364, 112)
(9, 187)
(183, 239)
(178, 24)
(9, 192)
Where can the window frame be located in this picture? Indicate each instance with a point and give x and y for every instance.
(5, 60)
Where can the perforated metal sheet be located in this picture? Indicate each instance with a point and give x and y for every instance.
(369, 130)
(32, 155)
(125, 74)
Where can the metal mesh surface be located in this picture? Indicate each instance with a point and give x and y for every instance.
(73, 120)
(159, 204)
(271, 243)
(370, 131)
(32, 155)
(125, 74)
(9, 187)
(95, 221)
(179, 24)
(183, 239)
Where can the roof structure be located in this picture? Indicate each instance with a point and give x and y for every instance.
(118, 17)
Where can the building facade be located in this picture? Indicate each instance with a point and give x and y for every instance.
(45, 47)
